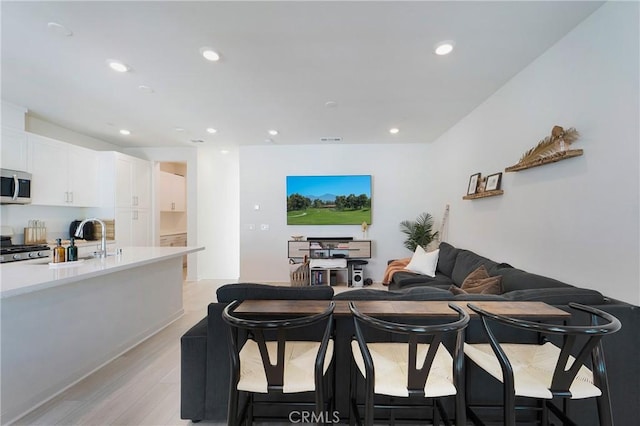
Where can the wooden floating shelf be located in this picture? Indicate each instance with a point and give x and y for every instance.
(483, 194)
(559, 156)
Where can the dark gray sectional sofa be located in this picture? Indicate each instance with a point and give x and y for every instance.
(205, 365)
(455, 264)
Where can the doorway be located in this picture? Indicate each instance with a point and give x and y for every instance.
(171, 193)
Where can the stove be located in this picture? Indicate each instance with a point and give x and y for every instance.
(14, 252)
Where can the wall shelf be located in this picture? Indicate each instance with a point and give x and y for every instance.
(558, 156)
(483, 194)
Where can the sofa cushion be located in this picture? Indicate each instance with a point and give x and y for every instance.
(406, 279)
(557, 296)
(424, 263)
(517, 279)
(478, 282)
(466, 262)
(415, 293)
(251, 291)
(447, 258)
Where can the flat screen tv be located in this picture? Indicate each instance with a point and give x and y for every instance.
(329, 200)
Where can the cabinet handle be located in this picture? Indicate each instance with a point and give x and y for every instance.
(173, 206)
(71, 197)
(16, 187)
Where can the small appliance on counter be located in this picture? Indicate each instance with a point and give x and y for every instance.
(10, 252)
(88, 231)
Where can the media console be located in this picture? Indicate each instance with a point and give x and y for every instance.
(337, 251)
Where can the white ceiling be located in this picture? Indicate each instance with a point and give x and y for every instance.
(280, 63)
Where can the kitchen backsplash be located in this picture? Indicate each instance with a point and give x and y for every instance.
(57, 219)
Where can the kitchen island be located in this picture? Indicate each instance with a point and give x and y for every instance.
(60, 323)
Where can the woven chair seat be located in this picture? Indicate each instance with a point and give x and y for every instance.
(390, 366)
(299, 361)
(533, 367)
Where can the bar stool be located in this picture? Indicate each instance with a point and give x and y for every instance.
(546, 371)
(268, 362)
(420, 368)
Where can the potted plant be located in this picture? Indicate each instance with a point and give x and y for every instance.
(419, 232)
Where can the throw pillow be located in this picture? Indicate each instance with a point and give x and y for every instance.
(423, 262)
(479, 282)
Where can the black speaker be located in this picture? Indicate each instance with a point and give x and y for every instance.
(357, 277)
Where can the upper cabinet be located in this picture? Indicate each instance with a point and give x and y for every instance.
(14, 146)
(171, 191)
(62, 174)
(133, 182)
(14, 149)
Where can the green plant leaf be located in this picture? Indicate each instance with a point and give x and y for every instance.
(419, 232)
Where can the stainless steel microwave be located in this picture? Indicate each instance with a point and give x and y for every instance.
(16, 187)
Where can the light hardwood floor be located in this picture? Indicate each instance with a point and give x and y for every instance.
(141, 387)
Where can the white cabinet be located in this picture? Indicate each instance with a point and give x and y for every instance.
(133, 182)
(63, 174)
(15, 149)
(133, 227)
(129, 196)
(172, 190)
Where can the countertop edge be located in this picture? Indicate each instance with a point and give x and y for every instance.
(47, 284)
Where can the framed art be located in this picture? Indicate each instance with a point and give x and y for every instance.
(473, 184)
(493, 182)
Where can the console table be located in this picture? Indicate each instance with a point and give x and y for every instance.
(329, 248)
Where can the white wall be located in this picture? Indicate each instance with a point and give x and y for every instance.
(399, 192)
(576, 220)
(218, 214)
(54, 131)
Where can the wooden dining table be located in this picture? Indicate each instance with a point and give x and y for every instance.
(397, 308)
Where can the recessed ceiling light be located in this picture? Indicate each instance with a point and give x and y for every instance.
(118, 66)
(145, 89)
(394, 130)
(60, 29)
(444, 47)
(178, 129)
(209, 54)
(211, 130)
(224, 151)
(331, 104)
(125, 132)
(273, 132)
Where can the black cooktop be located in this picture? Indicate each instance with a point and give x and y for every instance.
(22, 248)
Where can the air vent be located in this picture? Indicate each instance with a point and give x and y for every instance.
(197, 141)
(332, 139)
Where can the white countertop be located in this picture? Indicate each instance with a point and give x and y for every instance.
(34, 275)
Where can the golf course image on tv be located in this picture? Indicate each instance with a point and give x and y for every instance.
(329, 200)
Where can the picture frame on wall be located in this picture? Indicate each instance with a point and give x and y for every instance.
(493, 182)
(473, 184)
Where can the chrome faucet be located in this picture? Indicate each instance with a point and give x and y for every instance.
(103, 242)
